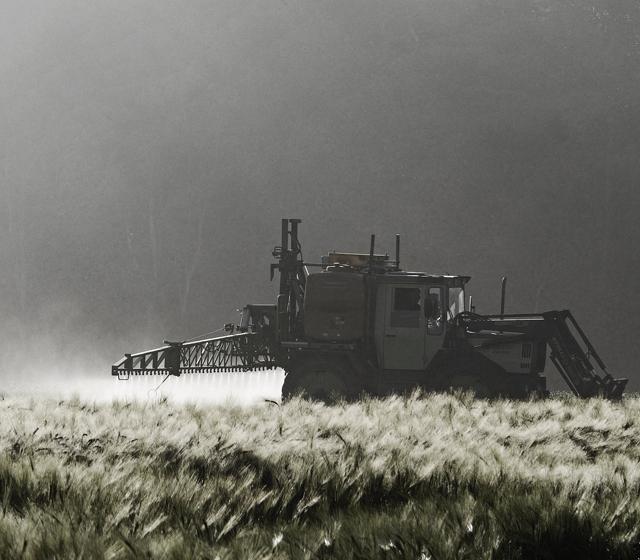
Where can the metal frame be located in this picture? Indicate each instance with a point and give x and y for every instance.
(234, 352)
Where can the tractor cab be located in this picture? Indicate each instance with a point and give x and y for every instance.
(412, 311)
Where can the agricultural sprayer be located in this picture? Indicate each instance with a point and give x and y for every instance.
(357, 322)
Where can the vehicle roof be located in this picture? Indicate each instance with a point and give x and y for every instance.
(404, 276)
(423, 278)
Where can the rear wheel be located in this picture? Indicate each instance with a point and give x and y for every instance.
(317, 379)
(470, 382)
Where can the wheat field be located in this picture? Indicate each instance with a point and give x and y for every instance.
(422, 477)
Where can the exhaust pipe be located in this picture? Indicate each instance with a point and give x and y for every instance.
(503, 295)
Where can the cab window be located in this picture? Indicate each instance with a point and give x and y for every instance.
(433, 311)
(406, 308)
(456, 301)
(406, 299)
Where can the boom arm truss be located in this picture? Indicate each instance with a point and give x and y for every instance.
(233, 352)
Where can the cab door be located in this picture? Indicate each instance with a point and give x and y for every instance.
(404, 327)
(435, 321)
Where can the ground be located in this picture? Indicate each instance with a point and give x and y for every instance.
(426, 476)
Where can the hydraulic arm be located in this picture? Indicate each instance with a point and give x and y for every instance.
(572, 353)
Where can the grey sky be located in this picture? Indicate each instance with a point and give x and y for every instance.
(149, 149)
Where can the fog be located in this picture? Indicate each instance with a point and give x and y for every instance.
(150, 149)
(238, 388)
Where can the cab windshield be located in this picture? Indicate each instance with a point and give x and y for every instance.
(456, 302)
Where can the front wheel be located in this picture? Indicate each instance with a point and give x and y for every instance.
(322, 380)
